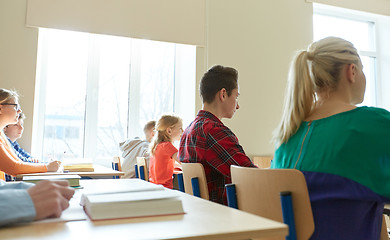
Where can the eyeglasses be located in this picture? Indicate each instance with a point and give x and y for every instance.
(16, 105)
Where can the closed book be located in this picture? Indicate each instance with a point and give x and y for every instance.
(132, 204)
(79, 168)
(78, 165)
(74, 180)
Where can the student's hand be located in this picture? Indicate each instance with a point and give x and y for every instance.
(34, 160)
(53, 166)
(50, 198)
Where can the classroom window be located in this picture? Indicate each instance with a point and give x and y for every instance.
(359, 30)
(94, 91)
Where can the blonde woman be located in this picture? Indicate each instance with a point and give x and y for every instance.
(343, 150)
(163, 155)
(9, 162)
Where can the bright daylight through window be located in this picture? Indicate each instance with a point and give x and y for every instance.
(360, 32)
(94, 91)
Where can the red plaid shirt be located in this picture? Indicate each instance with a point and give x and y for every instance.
(208, 141)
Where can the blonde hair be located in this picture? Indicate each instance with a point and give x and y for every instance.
(6, 95)
(313, 70)
(162, 135)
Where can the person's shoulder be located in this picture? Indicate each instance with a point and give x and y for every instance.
(131, 142)
(167, 146)
(373, 112)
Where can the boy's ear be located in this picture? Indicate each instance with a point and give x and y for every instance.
(222, 94)
(169, 130)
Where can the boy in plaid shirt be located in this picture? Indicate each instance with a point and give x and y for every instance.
(207, 140)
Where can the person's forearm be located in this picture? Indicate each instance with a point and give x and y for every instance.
(15, 206)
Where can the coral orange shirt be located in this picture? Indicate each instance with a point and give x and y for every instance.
(161, 164)
(12, 165)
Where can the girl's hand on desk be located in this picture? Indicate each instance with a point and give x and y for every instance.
(50, 198)
(53, 166)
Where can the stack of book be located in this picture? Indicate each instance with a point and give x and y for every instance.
(78, 165)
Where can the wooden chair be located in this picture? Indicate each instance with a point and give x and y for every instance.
(142, 169)
(116, 165)
(384, 231)
(194, 179)
(259, 191)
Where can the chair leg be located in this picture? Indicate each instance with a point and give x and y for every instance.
(231, 195)
(195, 186)
(288, 214)
(142, 172)
(115, 166)
(136, 171)
(180, 182)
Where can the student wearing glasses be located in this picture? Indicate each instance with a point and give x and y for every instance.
(10, 163)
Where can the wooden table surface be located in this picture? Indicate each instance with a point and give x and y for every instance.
(203, 220)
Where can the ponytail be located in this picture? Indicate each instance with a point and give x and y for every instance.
(162, 135)
(312, 71)
(299, 100)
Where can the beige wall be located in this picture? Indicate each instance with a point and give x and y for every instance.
(146, 19)
(18, 50)
(257, 37)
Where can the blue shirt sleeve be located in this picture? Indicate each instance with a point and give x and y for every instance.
(20, 152)
(16, 204)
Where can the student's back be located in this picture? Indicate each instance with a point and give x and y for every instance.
(207, 140)
(341, 149)
(343, 160)
(163, 153)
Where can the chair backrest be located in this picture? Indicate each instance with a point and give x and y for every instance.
(143, 170)
(258, 192)
(191, 172)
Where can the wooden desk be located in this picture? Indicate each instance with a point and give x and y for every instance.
(203, 220)
(99, 172)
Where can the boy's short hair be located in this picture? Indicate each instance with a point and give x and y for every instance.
(215, 79)
(22, 116)
(149, 125)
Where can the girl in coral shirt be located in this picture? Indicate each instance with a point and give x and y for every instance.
(163, 155)
(9, 162)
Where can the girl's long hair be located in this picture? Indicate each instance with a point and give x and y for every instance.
(312, 70)
(162, 135)
(6, 95)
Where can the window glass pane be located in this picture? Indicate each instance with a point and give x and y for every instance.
(360, 33)
(369, 71)
(156, 81)
(65, 94)
(100, 90)
(113, 85)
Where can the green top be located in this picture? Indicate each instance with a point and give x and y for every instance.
(353, 144)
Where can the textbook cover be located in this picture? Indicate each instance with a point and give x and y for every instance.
(132, 204)
(74, 180)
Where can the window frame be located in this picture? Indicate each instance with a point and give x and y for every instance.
(359, 16)
(91, 117)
